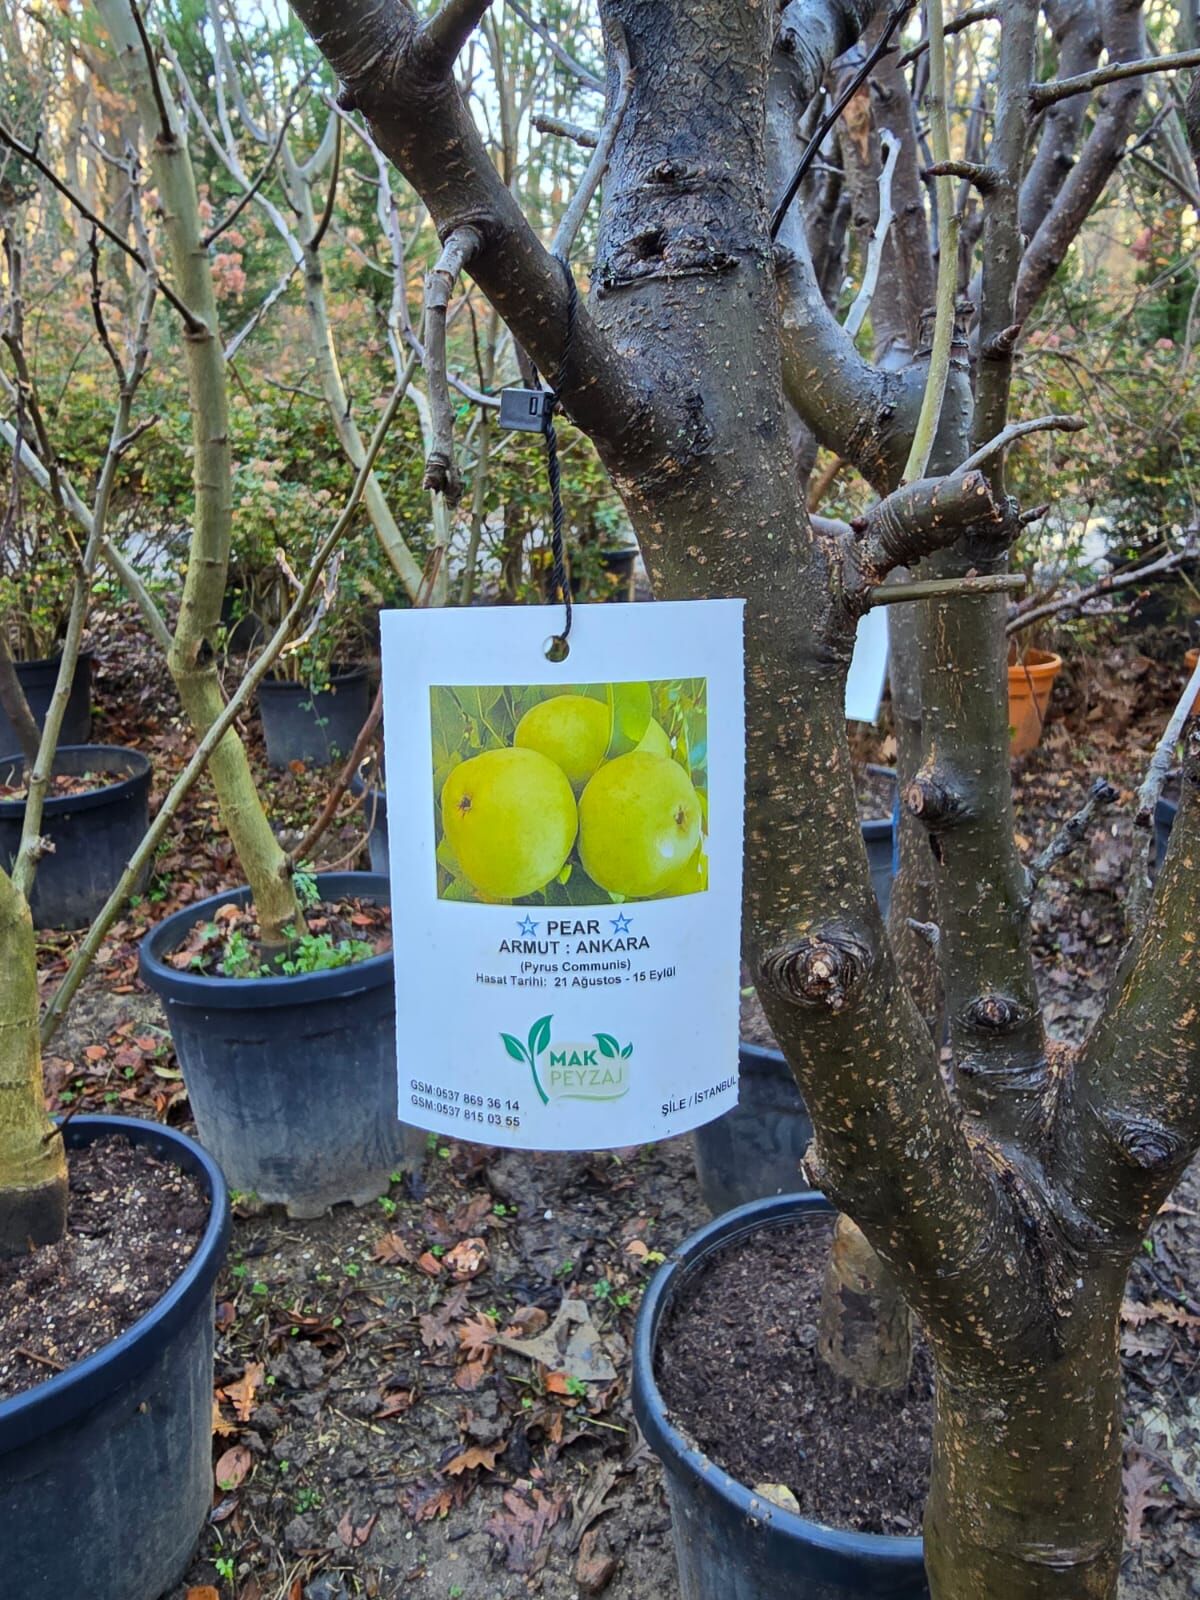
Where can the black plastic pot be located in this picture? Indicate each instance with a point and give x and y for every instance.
(730, 1544)
(879, 835)
(1164, 820)
(756, 1149)
(38, 678)
(292, 1081)
(106, 1469)
(375, 812)
(94, 833)
(314, 726)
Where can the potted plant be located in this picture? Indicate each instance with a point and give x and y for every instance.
(95, 815)
(751, 1539)
(35, 601)
(266, 1035)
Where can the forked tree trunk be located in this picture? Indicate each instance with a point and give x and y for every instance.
(1005, 1200)
(33, 1169)
(192, 659)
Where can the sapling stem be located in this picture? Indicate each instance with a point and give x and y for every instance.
(221, 725)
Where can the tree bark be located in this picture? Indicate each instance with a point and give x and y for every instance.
(865, 1331)
(33, 1169)
(192, 660)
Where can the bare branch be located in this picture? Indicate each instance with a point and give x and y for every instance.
(546, 35)
(976, 173)
(827, 122)
(965, 19)
(1045, 94)
(166, 131)
(930, 514)
(191, 322)
(1164, 752)
(1018, 430)
(1073, 831)
(573, 217)
(448, 30)
(857, 313)
(1094, 591)
(588, 137)
(891, 594)
(326, 217)
(263, 175)
(441, 473)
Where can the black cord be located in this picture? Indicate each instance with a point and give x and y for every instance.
(559, 579)
(878, 50)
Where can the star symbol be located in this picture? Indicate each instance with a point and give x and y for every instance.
(622, 923)
(528, 928)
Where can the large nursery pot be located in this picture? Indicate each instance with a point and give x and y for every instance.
(1030, 682)
(375, 814)
(292, 1080)
(756, 1149)
(731, 1544)
(315, 726)
(37, 679)
(93, 833)
(106, 1469)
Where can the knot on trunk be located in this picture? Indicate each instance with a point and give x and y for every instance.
(822, 970)
(936, 799)
(1144, 1143)
(994, 1013)
(442, 476)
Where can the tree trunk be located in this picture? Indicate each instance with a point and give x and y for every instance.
(1025, 1497)
(15, 705)
(192, 659)
(33, 1169)
(865, 1331)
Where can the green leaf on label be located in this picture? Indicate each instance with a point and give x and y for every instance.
(627, 1052)
(608, 1045)
(631, 707)
(515, 1048)
(539, 1037)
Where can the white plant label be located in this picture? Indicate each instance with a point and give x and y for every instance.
(566, 858)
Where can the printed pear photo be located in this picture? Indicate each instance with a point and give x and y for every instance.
(589, 794)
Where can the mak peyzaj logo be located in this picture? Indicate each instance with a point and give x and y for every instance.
(572, 1070)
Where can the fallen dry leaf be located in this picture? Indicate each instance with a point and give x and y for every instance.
(476, 1455)
(221, 1425)
(476, 1335)
(233, 1466)
(395, 1404)
(1143, 1484)
(429, 1263)
(391, 1250)
(355, 1536)
(467, 1258)
(242, 1392)
(470, 1375)
(203, 1591)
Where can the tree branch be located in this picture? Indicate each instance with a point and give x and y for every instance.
(1073, 831)
(441, 473)
(965, 19)
(1045, 94)
(1106, 585)
(1018, 430)
(546, 35)
(448, 30)
(573, 217)
(1164, 752)
(588, 137)
(857, 313)
(27, 153)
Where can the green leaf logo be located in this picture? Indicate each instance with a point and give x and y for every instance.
(514, 1047)
(608, 1045)
(539, 1037)
(627, 1052)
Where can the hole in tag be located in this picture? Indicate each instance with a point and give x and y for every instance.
(556, 648)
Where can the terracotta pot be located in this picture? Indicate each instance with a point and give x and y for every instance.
(1029, 684)
(1189, 661)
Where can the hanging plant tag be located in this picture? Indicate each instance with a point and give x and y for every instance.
(566, 848)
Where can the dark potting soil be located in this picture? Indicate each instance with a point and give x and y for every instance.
(339, 933)
(739, 1370)
(133, 1222)
(65, 783)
